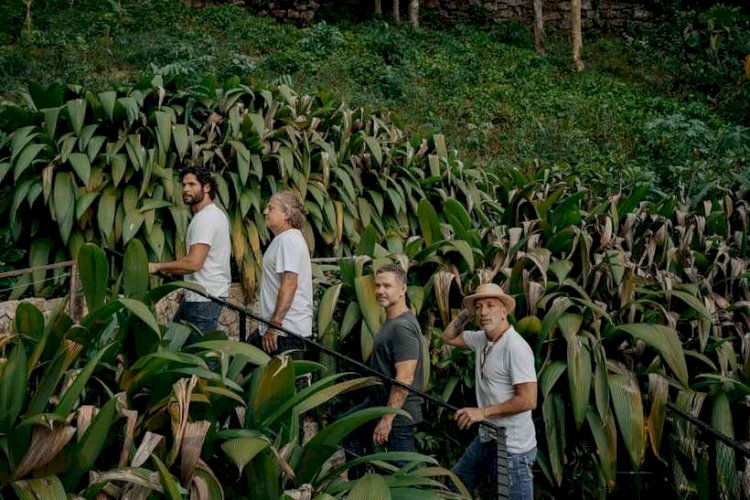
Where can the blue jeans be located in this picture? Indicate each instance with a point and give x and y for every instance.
(480, 460)
(203, 315)
(359, 443)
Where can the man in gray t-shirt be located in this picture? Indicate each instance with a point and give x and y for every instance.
(397, 353)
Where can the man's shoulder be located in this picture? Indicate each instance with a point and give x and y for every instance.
(211, 213)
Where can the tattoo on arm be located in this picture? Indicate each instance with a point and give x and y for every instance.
(287, 289)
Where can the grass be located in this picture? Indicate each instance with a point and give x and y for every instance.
(498, 102)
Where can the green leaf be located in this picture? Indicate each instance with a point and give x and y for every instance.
(48, 488)
(106, 214)
(39, 256)
(64, 196)
(94, 272)
(665, 340)
(29, 321)
(327, 308)
(373, 313)
(164, 129)
(374, 146)
(370, 486)
(429, 224)
(81, 166)
(108, 100)
(242, 450)
(27, 156)
(135, 271)
(658, 392)
(76, 113)
(13, 380)
(367, 241)
(142, 312)
(579, 377)
(550, 375)
(248, 352)
(91, 444)
(626, 398)
(131, 225)
(181, 139)
(351, 316)
(458, 215)
(70, 396)
(318, 450)
(726, 471)
(168, 482)
(553, 412)
(605, 436)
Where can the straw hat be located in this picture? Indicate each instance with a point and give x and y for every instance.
(489, 290)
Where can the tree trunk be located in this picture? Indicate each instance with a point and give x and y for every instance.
(396, 11)
(575, 28)
(414, 13)
(379, 7)
(538, 27)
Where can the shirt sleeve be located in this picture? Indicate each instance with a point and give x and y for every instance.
(292, 252)
(204, 231)
(522, 368)
(407, 346)
(473, 339)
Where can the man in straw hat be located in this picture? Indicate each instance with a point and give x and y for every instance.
(505, 389)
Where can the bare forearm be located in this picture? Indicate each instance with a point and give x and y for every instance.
(513, 406)
(183, 265)
(455, 327)
(284, 300)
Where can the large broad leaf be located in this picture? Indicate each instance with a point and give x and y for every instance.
(553, 413)
(39, 256)
(370, 486)
(91, 445)
(626, 398)
(29, 321)
(605, 436)
(665, 340)
(65, 198)
(135, 271)
(274, 387)
(13, 380)
(263, 476)
(142, 312)
(429, 224)
(364, 286)
(233, 348)
(550, 374)
(70, 396)
(170, 486)
(658, 391)
(94, 271)
(243, 449)
(579, 377)
(726, 471)
(48, 488)
(81, 166)
(325, 443)
(327, 308)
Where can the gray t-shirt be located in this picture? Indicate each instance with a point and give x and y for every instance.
(399, 339)
(508, 362)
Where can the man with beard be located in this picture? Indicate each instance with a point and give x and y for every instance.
(208, 252)
(397, 353)
(505, 387)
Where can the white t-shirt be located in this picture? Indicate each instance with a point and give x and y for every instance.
(509, 362)
(288, 252)
(210, 226)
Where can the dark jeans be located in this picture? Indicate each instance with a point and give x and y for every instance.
(298, 346)
(203, 315)
(359, 443)
(480, 460)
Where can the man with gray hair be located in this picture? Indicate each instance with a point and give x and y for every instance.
(286, 286)
(505, 388)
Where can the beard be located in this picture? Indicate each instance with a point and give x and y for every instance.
(192, 199)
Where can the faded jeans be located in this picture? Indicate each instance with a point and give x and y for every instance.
(203, 315)
(480, 460)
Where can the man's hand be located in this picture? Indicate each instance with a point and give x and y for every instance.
(153, 267)
(382, 430)
(466, 417)
(270, 341)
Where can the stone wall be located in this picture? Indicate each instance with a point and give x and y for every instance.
(603, 13)
(165, 309)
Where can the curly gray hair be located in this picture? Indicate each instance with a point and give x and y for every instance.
(292, 207)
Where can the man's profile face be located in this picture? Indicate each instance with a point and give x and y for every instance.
(276, 217)
(388, 289)
(192, 190)
(490, 312)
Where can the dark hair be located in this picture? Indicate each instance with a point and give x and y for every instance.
(395, 269)
(292, 207)
(203, 175)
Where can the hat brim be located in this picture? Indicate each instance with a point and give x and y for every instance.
(507, 300)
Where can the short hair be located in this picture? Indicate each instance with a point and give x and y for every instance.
(203, 175)
(395, 269)
(292, 207)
